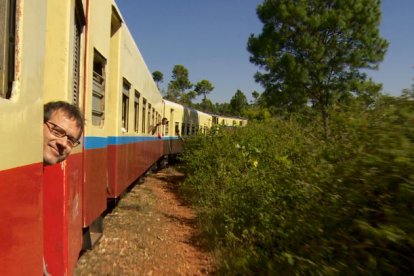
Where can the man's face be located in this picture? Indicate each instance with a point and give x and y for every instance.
(56, 149)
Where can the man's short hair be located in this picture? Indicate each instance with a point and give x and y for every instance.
(72, 111)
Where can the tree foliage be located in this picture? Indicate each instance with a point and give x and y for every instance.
(238, 103)
(313, 51)
(158, 77)
(206, 105)
(203, 88)
(187, 98)
(178, 84)
(255, 96)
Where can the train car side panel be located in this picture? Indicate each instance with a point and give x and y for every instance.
(96, 179)
(130, 160)
(62, 215)
(98, 110)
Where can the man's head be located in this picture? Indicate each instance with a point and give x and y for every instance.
(164, 121)
(63, 125)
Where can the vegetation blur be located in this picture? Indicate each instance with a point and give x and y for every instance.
(321, 180)
(277, 197)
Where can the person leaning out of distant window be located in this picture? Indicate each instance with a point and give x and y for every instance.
(157, 127)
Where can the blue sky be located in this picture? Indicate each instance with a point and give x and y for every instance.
(209, 38)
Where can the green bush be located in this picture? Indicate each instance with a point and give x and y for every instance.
(278, 198)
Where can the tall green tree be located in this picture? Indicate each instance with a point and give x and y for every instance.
(206, 105)
(179, 83)
(158, 77)
(255, 96)
(187, 98)
(313, 51)
(203, 87)
(238, 103)
(223, 108)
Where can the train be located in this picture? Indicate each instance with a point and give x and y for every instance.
(78, 51)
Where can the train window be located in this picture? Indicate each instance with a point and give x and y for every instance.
(167, 128)
(78, 28)
(125, 104)
(7, 46)
(188, 129)
(144, 105)
(149, 115)
(170, 132)
(153, 116)
(177, 128)
(98, 89)
(215, 120)
(182, 129)
(136, 111)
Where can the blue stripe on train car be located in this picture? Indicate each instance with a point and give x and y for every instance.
(94, 142)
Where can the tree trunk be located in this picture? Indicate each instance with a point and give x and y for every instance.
(325, 118)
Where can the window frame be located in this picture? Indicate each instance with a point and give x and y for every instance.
(7, 47)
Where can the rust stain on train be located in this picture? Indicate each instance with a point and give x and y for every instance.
(18, 45)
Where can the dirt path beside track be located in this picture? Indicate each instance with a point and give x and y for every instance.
(150, 232)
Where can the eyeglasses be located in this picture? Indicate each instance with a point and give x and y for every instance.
(60, 132)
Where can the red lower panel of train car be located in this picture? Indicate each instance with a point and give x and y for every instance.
(129, 158)
(96, 179)
(62, 203)
(21, 215)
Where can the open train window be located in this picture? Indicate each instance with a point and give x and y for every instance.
(153, 116)
(98, 90)
(172, 118)
(136, 111)
(177, 128)
(149, 115)
(125, 104)
(7, 46)
(167, 129)
(144, 105)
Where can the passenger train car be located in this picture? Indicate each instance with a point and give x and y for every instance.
(79, 51)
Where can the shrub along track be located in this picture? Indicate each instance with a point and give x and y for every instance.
(149, 232)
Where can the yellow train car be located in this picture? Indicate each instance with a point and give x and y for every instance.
(229, 121)
(184, 120)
